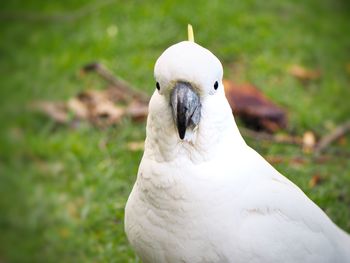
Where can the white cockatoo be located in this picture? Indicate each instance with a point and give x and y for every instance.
(202, 194)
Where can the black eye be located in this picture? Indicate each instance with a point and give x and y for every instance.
(216, 85)
(158, 86)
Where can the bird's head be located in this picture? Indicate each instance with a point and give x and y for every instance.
(189, 100)
(186, 74)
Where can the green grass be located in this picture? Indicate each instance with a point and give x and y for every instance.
(63, 190)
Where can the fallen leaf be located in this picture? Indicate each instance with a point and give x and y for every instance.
(137, 110)
(116, 95)
(78, 108)
(296, 161)
(274, 159)
(107, 113)
(92, 97)
(304, 74)
(315, 180)
(55, 110)
(99, 107)
(136, 146)
(254, 108)
(309, 142)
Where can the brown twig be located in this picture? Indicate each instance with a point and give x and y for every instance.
(121, 86)
(331, 137)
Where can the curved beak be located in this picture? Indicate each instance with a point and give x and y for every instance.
(186, 107)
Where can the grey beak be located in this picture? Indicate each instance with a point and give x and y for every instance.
(186, 107)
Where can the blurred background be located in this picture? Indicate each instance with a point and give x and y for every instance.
(64, 184)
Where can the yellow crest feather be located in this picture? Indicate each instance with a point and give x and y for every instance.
(190, 33)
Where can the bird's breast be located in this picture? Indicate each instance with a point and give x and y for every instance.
(172, 209)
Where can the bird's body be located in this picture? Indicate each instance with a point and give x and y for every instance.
(209, 197)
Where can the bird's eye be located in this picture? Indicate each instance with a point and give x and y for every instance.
(158, 86)
(216, 85)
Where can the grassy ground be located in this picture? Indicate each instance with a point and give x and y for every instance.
(63, 191)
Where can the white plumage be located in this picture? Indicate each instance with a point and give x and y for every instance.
(209, 197)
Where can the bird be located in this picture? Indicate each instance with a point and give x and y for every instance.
(202, 194)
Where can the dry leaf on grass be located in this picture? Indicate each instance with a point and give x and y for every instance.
(254, 108)
(296, 161)
(106, 113)
(137, 110)
(136, 146)
(304, 74)
(316, 179)
(100, 107)
(57, 111)
(91, 106)
(274, 159)
(309, 142)
(78, 107)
